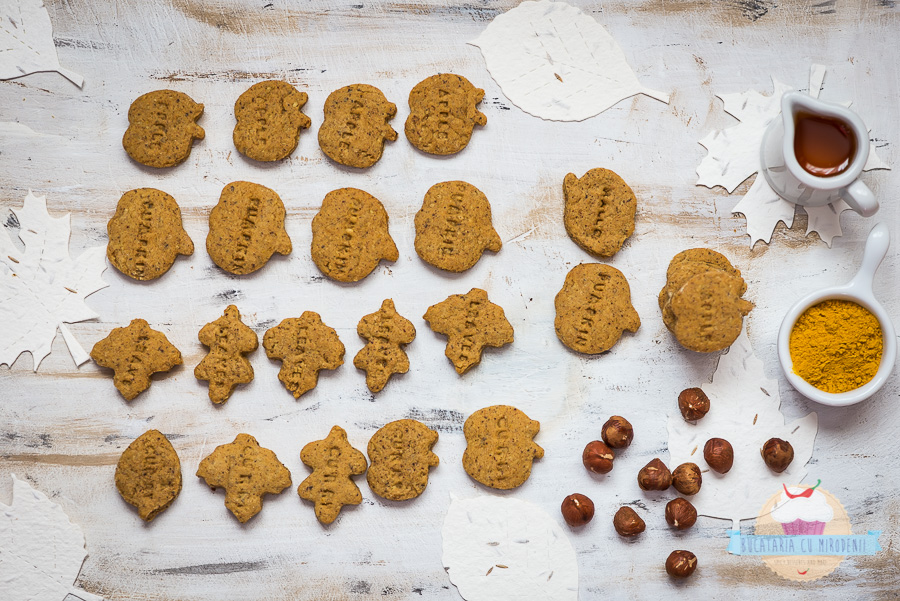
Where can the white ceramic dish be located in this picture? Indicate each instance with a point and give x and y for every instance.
(858, 290)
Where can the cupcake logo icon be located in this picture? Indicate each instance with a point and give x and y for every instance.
(803, 510)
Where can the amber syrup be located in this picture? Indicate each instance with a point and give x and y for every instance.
(824, 146)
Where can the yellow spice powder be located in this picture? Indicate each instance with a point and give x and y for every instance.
(836, 346)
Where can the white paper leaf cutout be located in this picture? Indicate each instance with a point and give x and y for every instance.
(555, 62)
(744, 410)
(734, 155)
(41, 551)
(26, 41)
(43, 288)
(501, 548)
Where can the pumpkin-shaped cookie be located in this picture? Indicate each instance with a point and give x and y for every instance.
(443, 113)
(501, 446)
(162, 128)
(269, 119)
(356, 125)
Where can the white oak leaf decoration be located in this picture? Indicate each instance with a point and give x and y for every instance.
(42, 288)
(555, 62)
(41, 551)
(26, 41)
(745, 411)
(733, 155)
(501, 548)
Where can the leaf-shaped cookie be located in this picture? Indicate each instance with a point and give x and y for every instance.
(305, 346)
(225, 366)
(386, 332)
(329, 486)
(148, 474)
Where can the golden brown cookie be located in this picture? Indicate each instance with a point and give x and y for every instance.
(305, 346)
(148, 474)
(162, 127)
(330, 486)
(500, 447)
(246, 471)
(709, 311)
(269, 119)
(399, 457)
(470, 322)
(599, 211)
(135, 353)
(386, 332)
(246, 228)
(350, 235)
(594, 308)
(225, 366)
(146, 235)
(443, 113)
(356, 125)
(454, 227)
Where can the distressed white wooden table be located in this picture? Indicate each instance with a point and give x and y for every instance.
(64, 428)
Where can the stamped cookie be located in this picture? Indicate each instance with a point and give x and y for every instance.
(501, 446)
(386, 332)
(330, 486)
(400, 456)
(599, 211)
(269, 119)
(594, 308)
(470, 322)
(148, 474)
(246, 228)
(454, 227)
(442, 113)
(709, 311)
(146, 235)
(305, 346)
(162, 127)
(350, 235)
(246, 471)
(135, 353)
(356, 125)
(225, 366)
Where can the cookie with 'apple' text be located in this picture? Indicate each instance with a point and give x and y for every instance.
(162, 128)
(269, 120)
(443, 113)
(356, 125)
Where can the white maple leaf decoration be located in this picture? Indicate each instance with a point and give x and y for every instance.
(745, 411)
(734, 155)
(41, 551)
(26, 41)
(43, 288)
(555, 62)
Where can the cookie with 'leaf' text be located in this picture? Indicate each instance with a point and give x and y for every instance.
(225, 366)
(386, 333)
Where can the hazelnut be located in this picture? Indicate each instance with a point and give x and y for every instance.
(654, 476)
(627, 522)
(680, 514)
(681, 564)
(687, 479)
(718, 454)
(577, 510)
(693, 403)
(777, 454)
(617, 432)
(598, 457)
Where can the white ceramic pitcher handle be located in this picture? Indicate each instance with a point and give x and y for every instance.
(860, 199)
(877, 245)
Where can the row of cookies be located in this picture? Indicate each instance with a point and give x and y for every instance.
(305, 346)
(350, 231)
(162, 124)
(499, 454)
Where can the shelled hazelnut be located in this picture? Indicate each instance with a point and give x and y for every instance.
(654, 476)
(598, 457)
(694, 404)
(719, 454)
(681, 564)
(577, 510)
(627, 522)
(777, 454)
(680, 514)
(686, 478)
(617, 432)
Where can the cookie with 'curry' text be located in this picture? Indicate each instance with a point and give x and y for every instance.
(225, 366)
(386, 333)
(305, 346)
(146, 234)
(246, 228)
(162, 128)
(709, 311)
(443, 113)
(350, 235)
(148, 474)
(400, 457)
(330, 486)
(501, 446)
(356, 125)
(599, 211)
(269, 120)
